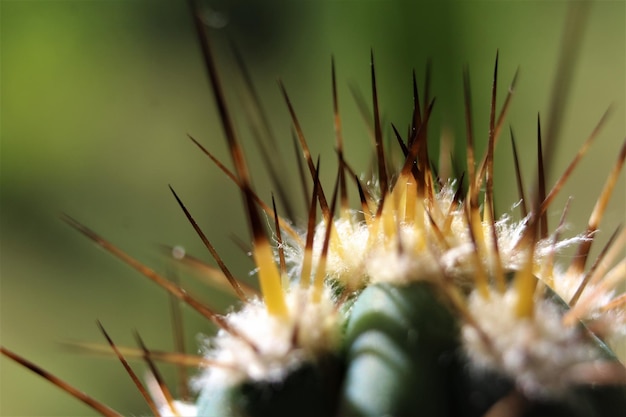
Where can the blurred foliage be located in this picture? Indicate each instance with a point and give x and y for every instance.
(97, 98)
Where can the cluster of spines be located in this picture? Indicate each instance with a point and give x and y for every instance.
(410, 199)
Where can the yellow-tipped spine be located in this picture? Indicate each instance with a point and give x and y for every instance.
(270, 279)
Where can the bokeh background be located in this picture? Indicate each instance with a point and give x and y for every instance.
(97, 98)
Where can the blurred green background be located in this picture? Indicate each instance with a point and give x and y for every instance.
(96, 100)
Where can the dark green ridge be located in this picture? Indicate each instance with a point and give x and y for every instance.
(310, 390)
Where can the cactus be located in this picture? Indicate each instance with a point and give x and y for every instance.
(419, 301)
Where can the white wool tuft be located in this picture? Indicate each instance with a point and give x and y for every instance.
(345, 260)
(538, 353)
(314, 326)
(608, 325)
(389, 263)
(355, 258)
